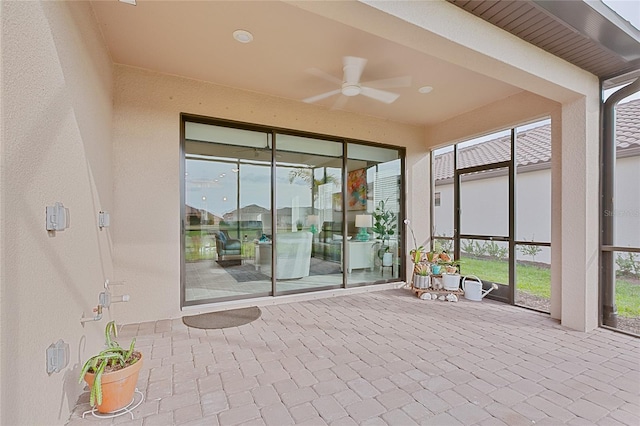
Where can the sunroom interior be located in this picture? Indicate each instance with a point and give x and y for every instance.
(99, 100)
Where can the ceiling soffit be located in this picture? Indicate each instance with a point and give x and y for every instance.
(572, 30)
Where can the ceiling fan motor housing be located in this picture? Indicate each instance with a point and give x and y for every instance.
(350, 89)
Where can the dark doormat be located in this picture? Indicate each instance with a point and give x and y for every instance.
(223, 319)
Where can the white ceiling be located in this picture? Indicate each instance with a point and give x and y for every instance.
(193, 39)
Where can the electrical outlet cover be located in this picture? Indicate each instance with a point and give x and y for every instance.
(57, 356)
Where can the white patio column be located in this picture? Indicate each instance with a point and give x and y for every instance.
(579, 213)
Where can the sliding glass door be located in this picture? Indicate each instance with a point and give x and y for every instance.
(373, 247)
(227, 212)
(268, 212)
(307, 248)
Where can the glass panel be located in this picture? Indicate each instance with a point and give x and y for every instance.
(484, 203)
(372, 244)
(533, 182)
(627, 290)
(533, 277)
(227, 205)
(308, 219)
(626, 213)
(487, 260)
(223, 135)
(443, 196)
(231, 248)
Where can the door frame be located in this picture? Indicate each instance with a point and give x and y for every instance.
(507, 296)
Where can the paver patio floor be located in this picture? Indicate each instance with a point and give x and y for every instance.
(384, 357)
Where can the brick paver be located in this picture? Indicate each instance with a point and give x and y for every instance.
(384, 358)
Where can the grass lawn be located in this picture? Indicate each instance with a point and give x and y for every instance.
(537, 281)
(628, 297)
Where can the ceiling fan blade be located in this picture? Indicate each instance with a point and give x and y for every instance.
(340, 102)
(353, 67)
(387, 83)
(325, 76)
(379, 95)
(321, 96)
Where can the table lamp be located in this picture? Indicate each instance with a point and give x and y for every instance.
(312, 222)
(363, 221)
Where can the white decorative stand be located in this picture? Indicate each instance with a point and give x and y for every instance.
(138, 398)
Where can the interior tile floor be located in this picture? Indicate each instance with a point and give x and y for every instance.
(207, 280)
(384, 358)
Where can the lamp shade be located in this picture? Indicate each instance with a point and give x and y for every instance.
(364, 221)
(313, 219)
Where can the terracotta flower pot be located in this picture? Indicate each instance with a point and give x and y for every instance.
(117, 387)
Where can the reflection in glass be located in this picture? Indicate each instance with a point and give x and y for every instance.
(308, 180)
(237, 245)
(227, 205)
(373, 196)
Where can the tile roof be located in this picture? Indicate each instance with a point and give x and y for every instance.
(534, 145)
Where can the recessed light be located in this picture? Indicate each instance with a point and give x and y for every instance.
(131, 2)
(425, 89)
(243, 36)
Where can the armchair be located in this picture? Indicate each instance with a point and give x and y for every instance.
(293, 255)
(227, 248)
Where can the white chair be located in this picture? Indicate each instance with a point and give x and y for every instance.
(293, 255)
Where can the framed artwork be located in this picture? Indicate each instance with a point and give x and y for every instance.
(357, 190)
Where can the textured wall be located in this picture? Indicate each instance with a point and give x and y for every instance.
(56, 146)
(147, 111)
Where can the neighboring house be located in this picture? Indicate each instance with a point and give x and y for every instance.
(196, 216)
(533, 208)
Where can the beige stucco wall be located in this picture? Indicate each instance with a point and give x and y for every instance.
(146, 219)
(56, 146)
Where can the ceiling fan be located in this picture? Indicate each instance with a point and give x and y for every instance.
(350, 84)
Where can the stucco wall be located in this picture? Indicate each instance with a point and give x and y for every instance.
(56, 146)
(146, 231)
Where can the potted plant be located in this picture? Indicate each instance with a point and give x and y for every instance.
(421, 276)
(417, 251)
(112, 374)
(449, 271)
(385, 227)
